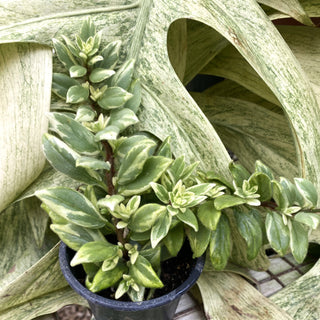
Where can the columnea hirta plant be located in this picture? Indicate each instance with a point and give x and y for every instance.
(136, 204)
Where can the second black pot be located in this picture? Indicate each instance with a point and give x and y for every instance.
(162, 308)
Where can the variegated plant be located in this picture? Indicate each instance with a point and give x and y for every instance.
(266, 108)
(135, 205)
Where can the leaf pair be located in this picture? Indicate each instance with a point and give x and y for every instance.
(281, 236)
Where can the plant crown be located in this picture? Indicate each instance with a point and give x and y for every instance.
(136, 204)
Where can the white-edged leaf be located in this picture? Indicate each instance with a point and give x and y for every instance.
(277, 232)
(61, 84)
(123, 76)
(110, 201)
(145, 217)
(71, 205)
(308, 218)
(77, 71)
(63, 159)
(122, 118)
(143, 273)
(99, 74)
(95, 251)
(75, 236)
(298, 240)
(132, 164)
(77, 136)
(227, 201)
(92, 163)
(308, 191)
(160, 229)
(114, 97)
(250, 230)
(77, 94)
(153, 168)
(188, 218)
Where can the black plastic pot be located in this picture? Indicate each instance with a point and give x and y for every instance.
(162, 308)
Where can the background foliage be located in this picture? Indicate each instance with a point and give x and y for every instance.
(266, 108)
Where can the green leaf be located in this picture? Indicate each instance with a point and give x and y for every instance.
(279, 195)
(164, 149)
(110, 55)
(110, 201)
(132, 164)
(135, 101)
(176, 169)
(78, 137)
(88, 29)
(174, 239)
(298, 240)
(95, 251)
(239, 173)
(160, 229)
(291, 192)
(277, 232)
(250, 230)
(220, 244)
(132, 141)
(311, 220)
(227, 201)
(108, 133)
(263, 182)
(189, 170)
(63, 159)
(114, 97)
(77, 94)
(75, 236)
(153, 168)
(92, 163)
(145, 217)
(122, 118)
(106, 279)
(160, 191)
(85, 113)
(262, 168)
(209, 215)
(72, 206)
(64, 54)
(199, 240)
(188, 218)
(308, 191)
(201, 189)
(99, 74)
(123, 76)
(77, 71)
(143, 273)
(61, 84)
(94, 60)
(153, 255)
(140, 236)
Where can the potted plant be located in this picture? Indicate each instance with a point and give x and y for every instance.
(265, 109)
(136, 206)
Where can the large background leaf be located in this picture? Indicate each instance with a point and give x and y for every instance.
(241, 44)
(25, 82)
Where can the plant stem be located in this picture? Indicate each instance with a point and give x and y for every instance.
(111, 190)
(109, 174)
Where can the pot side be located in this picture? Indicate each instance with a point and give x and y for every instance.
(161, 308)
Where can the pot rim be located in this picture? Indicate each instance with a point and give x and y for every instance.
(123, 305)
